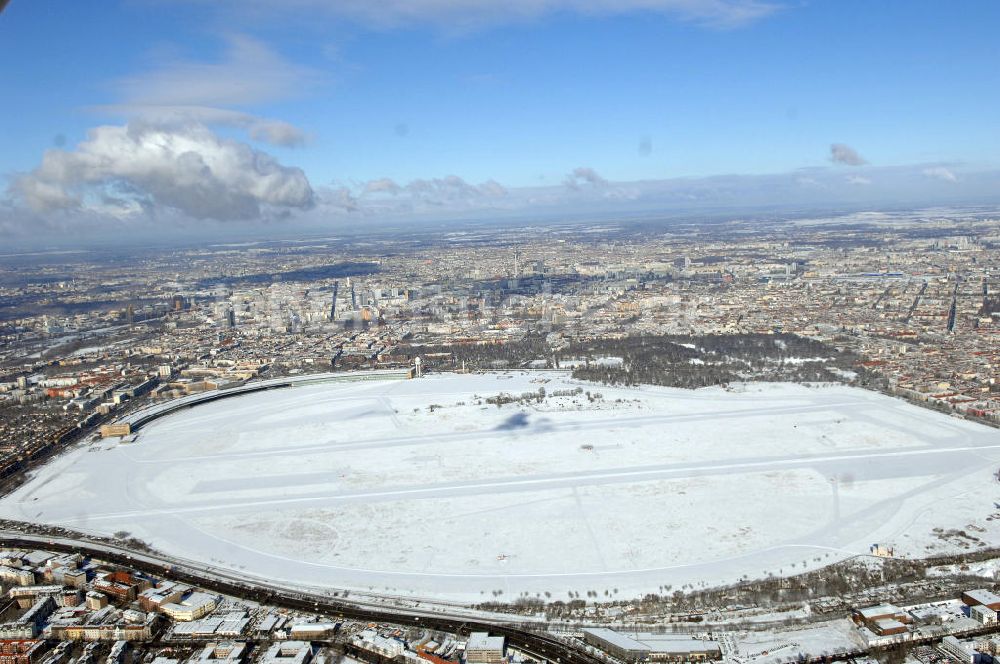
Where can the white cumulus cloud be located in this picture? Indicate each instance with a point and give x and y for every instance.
(143, 166)
(264, 130)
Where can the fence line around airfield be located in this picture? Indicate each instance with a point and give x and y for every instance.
(143, 416)
(140, 418)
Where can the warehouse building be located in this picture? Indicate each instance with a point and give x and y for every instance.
(652, 647)
(668, 648)
(982, 597)
(617, 645)
(871, 614)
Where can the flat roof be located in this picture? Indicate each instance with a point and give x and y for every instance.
(671, 644)
(879, 610)
(889, 623)
(314, 627)
(983, 596)
(617, 639)
(483, 641)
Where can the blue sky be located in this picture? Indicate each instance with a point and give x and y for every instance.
(338, 94)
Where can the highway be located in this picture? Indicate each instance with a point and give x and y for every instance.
(525, 637)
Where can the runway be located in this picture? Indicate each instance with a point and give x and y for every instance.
(367, 486)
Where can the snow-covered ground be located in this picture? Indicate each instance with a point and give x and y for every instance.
(989, 569)
(781, 646)
(367, 486)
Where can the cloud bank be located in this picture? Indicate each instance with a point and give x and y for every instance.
(468, 15)
(940, 173)
(386, 196)
(585, 191)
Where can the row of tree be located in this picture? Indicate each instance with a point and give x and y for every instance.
(703, 360)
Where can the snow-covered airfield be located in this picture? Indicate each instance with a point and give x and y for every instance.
(364, 486)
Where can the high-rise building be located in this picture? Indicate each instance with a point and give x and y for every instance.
(333, 302)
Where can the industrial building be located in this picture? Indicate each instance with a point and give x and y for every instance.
(652, 647)
(982, 597)
(870, 614)
(617, 645)
(669, 648)
(884, 619)
(227, 626)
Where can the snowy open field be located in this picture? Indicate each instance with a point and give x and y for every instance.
(362, 485)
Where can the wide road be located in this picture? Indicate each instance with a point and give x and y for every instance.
(521, 636)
